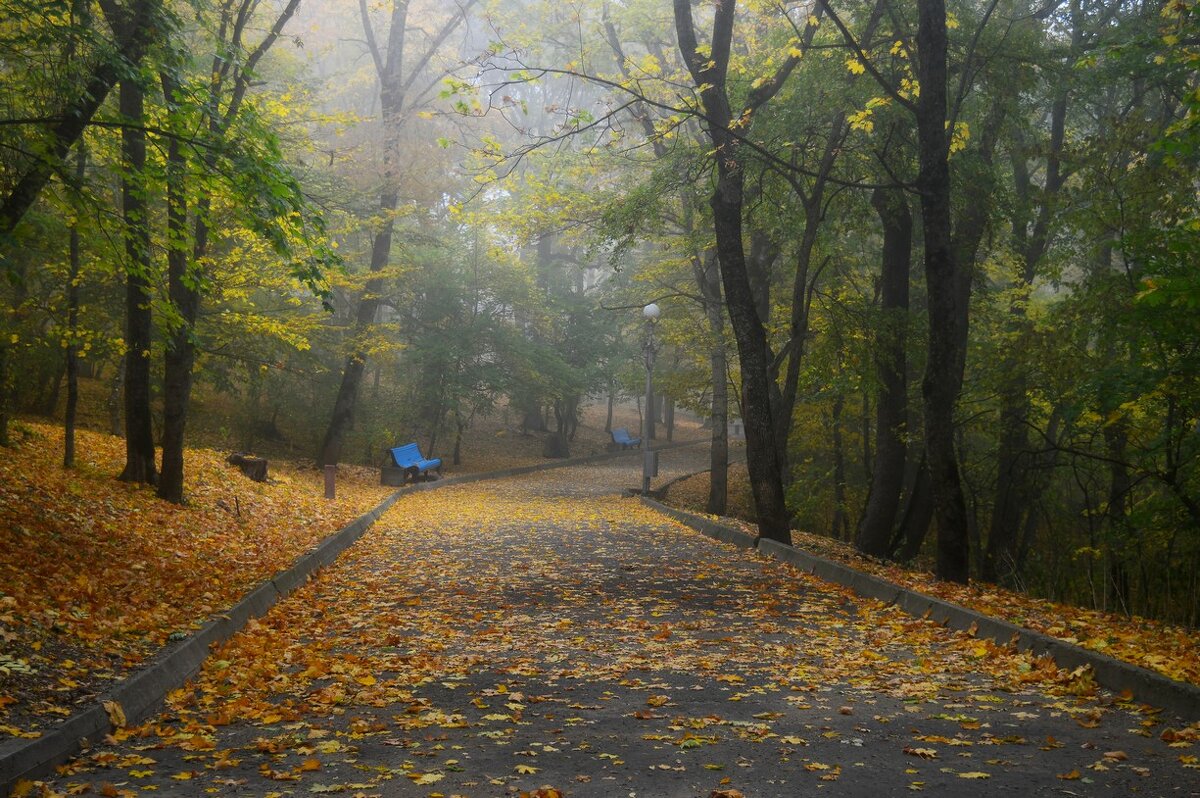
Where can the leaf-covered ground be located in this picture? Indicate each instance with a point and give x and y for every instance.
(96, 574)
(542, 633)
(1173, 651)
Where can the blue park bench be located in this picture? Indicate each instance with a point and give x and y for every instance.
(621, 438)
(407, 463)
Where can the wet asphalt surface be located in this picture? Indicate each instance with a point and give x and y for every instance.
(544, 632)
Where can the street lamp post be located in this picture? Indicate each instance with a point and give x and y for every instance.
(650, 313)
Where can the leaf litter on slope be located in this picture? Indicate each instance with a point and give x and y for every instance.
(96, 574)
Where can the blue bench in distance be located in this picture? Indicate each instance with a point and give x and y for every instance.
(407, 463)
(621, 438)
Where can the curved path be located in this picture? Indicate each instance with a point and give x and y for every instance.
(499, 637)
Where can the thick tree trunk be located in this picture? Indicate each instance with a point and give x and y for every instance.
(727, 202)
(139, 437)
(762, 456)
(947, 318)
(180, 355)
(891, 406)
(916, 516)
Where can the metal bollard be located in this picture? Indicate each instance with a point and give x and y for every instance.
(330, 473)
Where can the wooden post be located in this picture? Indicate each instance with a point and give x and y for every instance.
(330, 473)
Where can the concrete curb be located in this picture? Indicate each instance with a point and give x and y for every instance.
(1148, 687)
(143, 692)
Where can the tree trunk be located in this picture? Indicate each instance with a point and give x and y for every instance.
(532, 418)
(612, 397)
(1119, 538)
(762, 457)
(48, 396)
(727, 201)
(947, 319)
(916, 517)
(840, 529)
(180, 355)
(115, 392)
(5, 394)
(891, 347)
(718, 485)
(864, 419)
(460, 425)
(75, 254)
(139, 437)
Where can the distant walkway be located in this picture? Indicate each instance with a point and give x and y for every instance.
(491, 638)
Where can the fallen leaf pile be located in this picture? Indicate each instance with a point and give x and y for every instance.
(1173, 651)
(96, 574)
(542, 636)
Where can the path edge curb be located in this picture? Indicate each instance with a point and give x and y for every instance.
(1147, 686)
(143, 692)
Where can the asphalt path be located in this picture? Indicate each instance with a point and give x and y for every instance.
(543, 632)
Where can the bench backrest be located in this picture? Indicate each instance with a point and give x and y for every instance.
(407, 454)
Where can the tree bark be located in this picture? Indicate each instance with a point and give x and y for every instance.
(75, 254)
(115, 392)
(5, 394)
(891, 345)
(916, 517)
(139, 437)
(727, 201)
(184, 293)
(947, 317)
(1116, 436)
(840, 528)
(709, 279)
